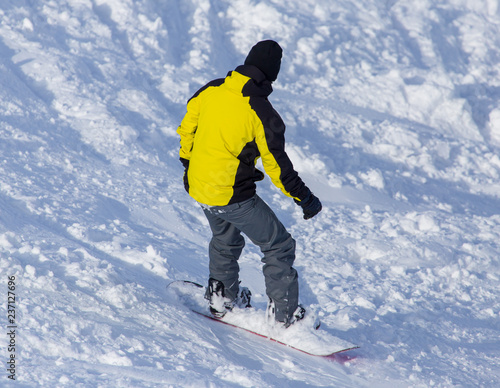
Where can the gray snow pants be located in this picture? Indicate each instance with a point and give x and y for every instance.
(258, 222)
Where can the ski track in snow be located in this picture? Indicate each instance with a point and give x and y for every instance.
(393, 119)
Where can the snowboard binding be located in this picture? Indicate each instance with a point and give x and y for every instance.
(219, 304)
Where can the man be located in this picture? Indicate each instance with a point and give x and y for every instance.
(229, 124)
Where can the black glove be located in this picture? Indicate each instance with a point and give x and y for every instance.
(310, 205)
(184, 162)
(258, 175)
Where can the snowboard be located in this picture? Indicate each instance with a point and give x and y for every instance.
(302, 335)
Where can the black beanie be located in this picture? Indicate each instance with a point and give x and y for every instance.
(266, 55)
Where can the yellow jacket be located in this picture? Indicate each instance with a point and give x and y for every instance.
(229, 124)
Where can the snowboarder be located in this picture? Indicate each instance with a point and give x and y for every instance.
(229, 124)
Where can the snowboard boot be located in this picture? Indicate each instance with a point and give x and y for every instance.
(297, 315)
(219, 304)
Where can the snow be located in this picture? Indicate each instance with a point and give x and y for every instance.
(393, 119)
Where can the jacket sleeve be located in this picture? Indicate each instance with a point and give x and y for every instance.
(271, 142)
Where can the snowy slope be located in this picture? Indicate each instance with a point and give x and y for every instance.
(393, 119)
